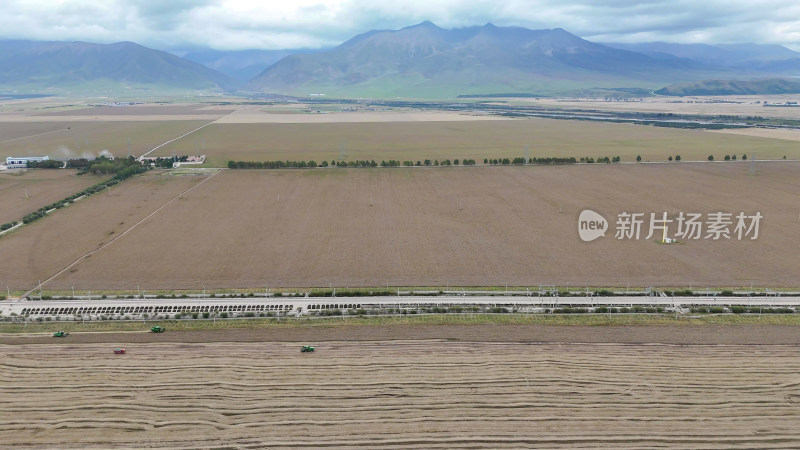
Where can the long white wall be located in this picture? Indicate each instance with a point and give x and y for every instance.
(304, 305)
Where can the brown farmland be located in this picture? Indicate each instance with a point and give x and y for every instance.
(400, 393)
(425, 227)
(477, 140)
(43, 187)
(39, 250)
(87, 139)
(13, 131)
(143, 110)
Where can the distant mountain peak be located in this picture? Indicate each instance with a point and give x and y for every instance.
(424, 56)
(424, 24)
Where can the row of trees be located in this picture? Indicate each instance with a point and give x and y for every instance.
(121, 174)
(7, 225)
(710, 158)
(356, 164)
(48, 164)
(273, 164)
(731, 158)
(549, 161)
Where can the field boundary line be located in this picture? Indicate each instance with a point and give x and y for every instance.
(33, 135)
(173, 140)
(91, 252)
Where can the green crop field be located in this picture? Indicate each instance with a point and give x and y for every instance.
(422, 319)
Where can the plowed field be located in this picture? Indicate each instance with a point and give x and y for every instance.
(419, 227)
(400, 393)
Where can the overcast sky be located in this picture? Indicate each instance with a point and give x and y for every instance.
(245, 24)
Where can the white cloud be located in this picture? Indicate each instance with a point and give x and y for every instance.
(240, 24)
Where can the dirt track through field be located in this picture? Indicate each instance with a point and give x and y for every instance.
(173, 140)
(33, 135)
(463, 226)
(412, 393)
(90, 253)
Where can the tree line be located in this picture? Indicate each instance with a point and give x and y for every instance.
(103, 165)
(122, 172)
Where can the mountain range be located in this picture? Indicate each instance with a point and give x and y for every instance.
(476, 60)
(421, 61)
(32, 65)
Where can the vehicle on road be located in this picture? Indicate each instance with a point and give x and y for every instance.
(158, 329)
(60, 334)
(307, 348)
(119, 351)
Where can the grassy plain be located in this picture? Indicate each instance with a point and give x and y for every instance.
(423, 393)
(577, 320)
(43, 187)
(419, 227)
(474, 139)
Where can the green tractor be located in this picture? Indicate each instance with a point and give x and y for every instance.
(158, 329)
(60, 334)
(307, 349)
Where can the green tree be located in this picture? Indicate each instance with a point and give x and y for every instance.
(677, 157)
(669, 159)
(639, 158)
(710, 157)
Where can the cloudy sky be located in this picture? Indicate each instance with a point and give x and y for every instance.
(265, 24)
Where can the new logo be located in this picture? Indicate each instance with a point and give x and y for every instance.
(591, 225)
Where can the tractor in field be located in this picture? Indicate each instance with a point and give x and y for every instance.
(60, 334)
(307, 349)
(158, 329)
(119, 351)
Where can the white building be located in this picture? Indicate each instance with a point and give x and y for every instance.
(14, 162)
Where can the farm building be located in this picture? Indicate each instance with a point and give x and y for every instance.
(13, 162)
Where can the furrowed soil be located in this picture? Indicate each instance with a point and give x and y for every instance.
(441, 387)
(23, 191)
(40, 249)
(471, 139)
(480, 226)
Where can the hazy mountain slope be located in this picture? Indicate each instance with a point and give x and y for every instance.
(733, 87)
(425, 58)
(70, 64)
(242, 65)
(728, 55)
